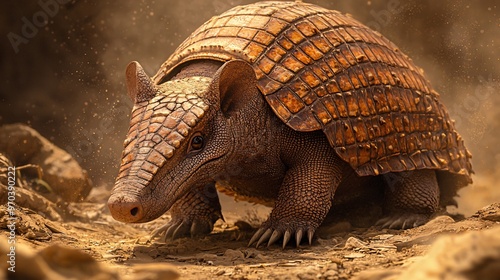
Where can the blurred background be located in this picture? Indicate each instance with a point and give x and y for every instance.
(63, 62)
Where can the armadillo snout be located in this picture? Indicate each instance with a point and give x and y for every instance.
(125, 208)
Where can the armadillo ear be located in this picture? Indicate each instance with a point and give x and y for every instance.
(236, 84)
(139, 86)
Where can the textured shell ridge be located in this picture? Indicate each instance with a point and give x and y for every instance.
(320, 69)
(161, 124)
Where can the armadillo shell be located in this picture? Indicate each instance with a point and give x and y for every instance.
(320, 69)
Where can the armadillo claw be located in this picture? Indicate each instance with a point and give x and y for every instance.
(178, 228)
(160, 233)
(274, 237)
(264, 237)
(298, 237)
(310, 234)
(286, 238)
(256, 236)
(182, 230)
(270, 235)
(403, 221)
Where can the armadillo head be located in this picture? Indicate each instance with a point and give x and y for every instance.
(177, 140)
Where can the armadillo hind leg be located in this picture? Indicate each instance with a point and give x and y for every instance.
(303, 201)
(192, 215)
(410, 198)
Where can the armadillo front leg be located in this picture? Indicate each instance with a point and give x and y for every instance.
(410, 198)
(304, 200)
(194, 214)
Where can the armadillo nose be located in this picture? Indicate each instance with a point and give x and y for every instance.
(125, 208)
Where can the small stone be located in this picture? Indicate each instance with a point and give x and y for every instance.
(353, 242)
(490, 213)
(110, 256)
(250, 253)
(492, 217)
(155, 271)
(439, 220)
(261, 257)
(383, 236)
(330, 273)
(333, 266)
(234, 254)
(355, 256)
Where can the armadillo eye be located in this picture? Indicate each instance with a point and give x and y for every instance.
(197, 142)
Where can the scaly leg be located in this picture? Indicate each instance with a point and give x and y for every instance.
(411, 198)
(304, 199)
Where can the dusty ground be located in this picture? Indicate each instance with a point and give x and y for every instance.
(59, 239)
(340, 252)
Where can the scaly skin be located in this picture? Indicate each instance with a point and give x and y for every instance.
(411, 197)
(193, 215)
(306, 193)
(256, 157)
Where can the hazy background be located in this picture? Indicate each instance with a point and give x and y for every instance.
(67, 78)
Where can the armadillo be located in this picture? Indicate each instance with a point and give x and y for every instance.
(289, 105)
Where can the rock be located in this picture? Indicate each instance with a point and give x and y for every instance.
(382, 236)
(308, 272)
(234, 254)
(250, 252)
(471, 255)
(155, 271)
(31, 200)
(438, 221)
(331, 271)
(54, 262)
(353, 242)
(490, 213)
(354, 256)
(261, 257)
(208, 257)
(23, 145)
